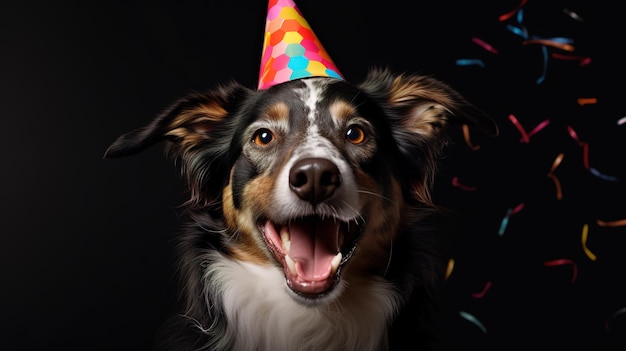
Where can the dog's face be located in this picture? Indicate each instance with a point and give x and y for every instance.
(314, 176)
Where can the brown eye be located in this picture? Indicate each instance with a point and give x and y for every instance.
(355, 135)
(263, 137)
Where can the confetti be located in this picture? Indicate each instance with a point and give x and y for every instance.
(511, 13)
(482, 293)
(450, 268)
(600, 175)
(621, 121)
(618, 223)
(588, 252)
(455, 182)
(470, 62)
(573, 15)
(526, 136)
(583, 60)
(466, 136)
(587, 101)
(484, 45)
(557, 183)
(561, 262)
(582, 144)
(509, 213)
(544, 68)
(613, 317)
(474, 320)
(521, 31)
(548, 42)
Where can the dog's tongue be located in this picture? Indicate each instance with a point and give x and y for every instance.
(313, 246)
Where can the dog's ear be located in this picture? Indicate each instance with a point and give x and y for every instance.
(419, 110)
(185, 124)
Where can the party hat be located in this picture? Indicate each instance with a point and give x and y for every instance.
(290, 48)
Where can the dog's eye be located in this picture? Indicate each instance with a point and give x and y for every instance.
(355, 135)
(263, 137)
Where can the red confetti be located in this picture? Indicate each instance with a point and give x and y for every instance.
(455, 182)
(511, 13)
(583, 60)
(484, 45)
(482, 293)
(561, 262)
(582, 144)
(526, 136)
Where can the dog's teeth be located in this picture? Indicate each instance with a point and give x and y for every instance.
(334, 264)
(285, 238)
(291, 265)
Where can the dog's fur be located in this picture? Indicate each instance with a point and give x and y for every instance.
(341, 168)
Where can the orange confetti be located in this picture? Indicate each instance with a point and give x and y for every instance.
(557, 183)
(466, 136)
(450, 268)
(556, 44)
(587, 101)
(617, 223)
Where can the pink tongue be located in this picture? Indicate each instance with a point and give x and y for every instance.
(313, 246)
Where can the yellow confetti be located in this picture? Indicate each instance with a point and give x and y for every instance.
(450, 268)
(584, 241)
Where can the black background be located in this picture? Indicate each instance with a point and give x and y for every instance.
(86, 244)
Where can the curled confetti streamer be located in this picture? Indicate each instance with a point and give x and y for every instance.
(482, 293)
(455, 182)
(561, 262)
(484, 45)
(474, 320)
(520, 128)
(617, 223)
(557, 183)
(466, 135)
(582, 144)
(526, 136)
(621, 121)
(614, 316)
(548, 42)
(511, 13)
(600, 175)
(588, 252)
(587, 101)
(450, 268)
(470, 62)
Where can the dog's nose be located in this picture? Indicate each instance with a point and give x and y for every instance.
(314, 179)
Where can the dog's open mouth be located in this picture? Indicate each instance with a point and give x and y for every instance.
(312, 251)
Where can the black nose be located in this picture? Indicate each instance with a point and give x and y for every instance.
(314, 179)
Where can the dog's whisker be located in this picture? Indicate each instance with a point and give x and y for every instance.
(374, 194)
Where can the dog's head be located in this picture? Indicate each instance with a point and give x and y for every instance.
(312, 175)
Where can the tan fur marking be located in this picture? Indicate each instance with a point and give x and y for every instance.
(341, 110)
(277, 112)
(192, 126)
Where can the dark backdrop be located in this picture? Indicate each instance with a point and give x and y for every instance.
(86, 244)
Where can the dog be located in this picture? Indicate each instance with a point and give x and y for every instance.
(309, 223)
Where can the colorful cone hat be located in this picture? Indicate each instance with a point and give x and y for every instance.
(290, 48)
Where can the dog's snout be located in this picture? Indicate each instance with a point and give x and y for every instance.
(314, 179)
